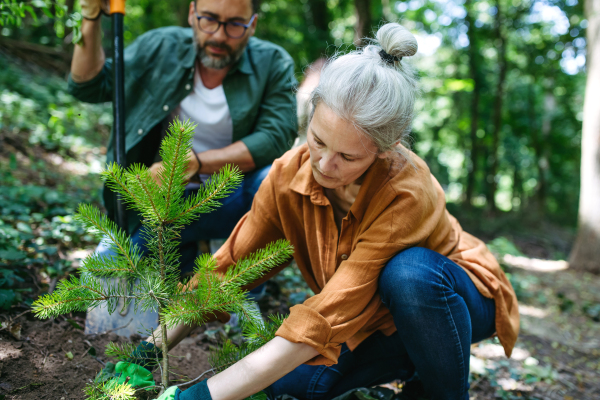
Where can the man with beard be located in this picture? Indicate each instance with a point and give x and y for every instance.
(236, 88)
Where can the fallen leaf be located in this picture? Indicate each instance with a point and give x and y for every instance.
(14, 329)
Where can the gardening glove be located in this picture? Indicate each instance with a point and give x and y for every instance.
(139, 376)
(91, 9)
(169, 394)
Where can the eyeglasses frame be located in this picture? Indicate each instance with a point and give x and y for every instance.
(246, 26)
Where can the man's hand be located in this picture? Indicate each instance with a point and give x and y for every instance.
(190, 172)
(91, 9)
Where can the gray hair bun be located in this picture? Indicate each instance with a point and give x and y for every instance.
(373, 89)
(397, 41)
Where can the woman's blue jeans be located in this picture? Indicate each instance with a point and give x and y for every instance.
(438, 312)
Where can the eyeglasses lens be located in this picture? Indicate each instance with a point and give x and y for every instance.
(208, 25)
(234, 30)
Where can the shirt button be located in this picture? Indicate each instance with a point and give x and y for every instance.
(140, 131)
(188, 86)
(344, 256)
(166, 107)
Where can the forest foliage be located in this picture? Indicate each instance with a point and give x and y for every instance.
(502, 84)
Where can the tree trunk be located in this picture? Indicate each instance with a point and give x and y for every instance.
(497, 113)
(585, 255)
(363, 20)
(319, 35)
(476, 77)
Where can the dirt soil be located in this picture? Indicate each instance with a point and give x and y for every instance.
(53, 361)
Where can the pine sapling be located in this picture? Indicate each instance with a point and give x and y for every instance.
(165, 211)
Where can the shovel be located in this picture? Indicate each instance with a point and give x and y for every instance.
(125, 321)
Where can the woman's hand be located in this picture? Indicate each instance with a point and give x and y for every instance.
(259, 369)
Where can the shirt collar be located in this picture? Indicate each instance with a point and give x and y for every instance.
(243, 64)
(377, 174)
(188, 53)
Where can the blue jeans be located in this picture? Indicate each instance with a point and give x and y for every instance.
(438, 312)
(217, 224)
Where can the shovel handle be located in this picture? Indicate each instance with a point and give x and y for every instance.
(117, 7)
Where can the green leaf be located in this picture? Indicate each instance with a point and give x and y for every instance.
(7, 298)
(12, 254)
(69, 355)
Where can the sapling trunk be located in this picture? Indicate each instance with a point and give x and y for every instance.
(163, 328)
(165, 361)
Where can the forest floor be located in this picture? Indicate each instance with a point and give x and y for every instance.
(557, 355)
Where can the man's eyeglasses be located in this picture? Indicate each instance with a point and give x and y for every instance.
(234, 30)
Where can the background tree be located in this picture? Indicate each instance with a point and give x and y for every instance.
(586, 251)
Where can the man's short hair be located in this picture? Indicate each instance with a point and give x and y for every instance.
(255, 5)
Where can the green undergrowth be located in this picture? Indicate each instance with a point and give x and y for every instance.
(48, 140)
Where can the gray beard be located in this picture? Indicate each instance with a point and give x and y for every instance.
(219, 63)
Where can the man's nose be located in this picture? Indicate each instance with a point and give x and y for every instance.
(220, 35)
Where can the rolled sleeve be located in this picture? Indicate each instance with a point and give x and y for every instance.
(96, 90)
(345, 305)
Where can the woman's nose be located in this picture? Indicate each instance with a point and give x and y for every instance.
(326, 164)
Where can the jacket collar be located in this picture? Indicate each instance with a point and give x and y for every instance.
(188, 53)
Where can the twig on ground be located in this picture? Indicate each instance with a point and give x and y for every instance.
(94, 357)
(198, 378)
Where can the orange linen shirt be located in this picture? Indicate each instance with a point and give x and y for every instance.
(398, 207)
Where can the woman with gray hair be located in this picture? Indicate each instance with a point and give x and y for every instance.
(401, 291)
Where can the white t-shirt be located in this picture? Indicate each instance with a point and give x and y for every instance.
(209, 110)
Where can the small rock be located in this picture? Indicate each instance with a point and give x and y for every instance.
(113, 336)
(18, 345)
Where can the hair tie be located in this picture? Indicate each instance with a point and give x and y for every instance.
(388, 58)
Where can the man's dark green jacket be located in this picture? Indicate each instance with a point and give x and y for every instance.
(159, 74)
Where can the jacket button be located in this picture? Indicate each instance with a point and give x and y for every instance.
(188, 86)
(166, 107)
(140, 131)
(344, 256)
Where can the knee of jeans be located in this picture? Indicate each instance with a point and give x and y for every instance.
(408, 272)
